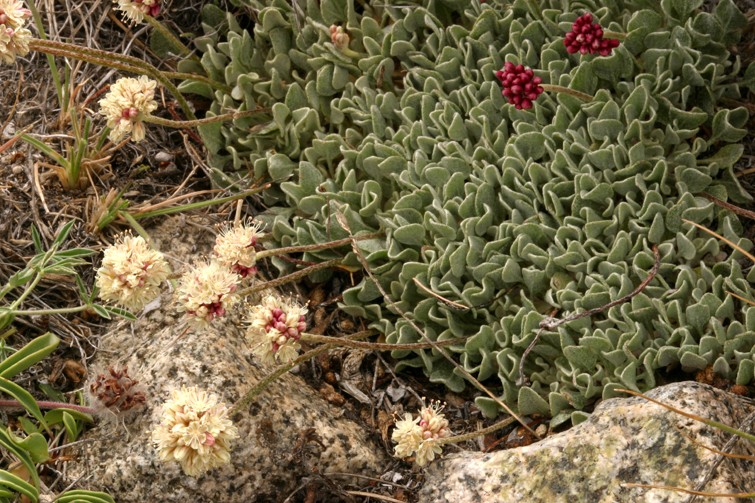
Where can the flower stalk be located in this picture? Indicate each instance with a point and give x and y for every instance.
(571, 92)
(282, 369)
(208, 120)
(377, 346)
(49, 405)
(109, 59)
(165, 32)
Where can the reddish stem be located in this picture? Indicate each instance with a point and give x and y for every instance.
(49, 405)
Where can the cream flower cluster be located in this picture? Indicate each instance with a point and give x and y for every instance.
(275, 328)
(421, 435)
(14, 38)
(131, 273)
(206, 291)
(195, 431)
(125, 106)
(234, 248)
(135, 10)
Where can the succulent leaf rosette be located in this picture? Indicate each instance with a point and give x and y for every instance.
(513, 212)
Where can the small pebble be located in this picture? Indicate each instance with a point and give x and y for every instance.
(16, 170)
(541, 431)
(163, 157)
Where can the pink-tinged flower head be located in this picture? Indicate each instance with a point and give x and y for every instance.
(206, 292)
(520, 85)
(135, 10)
(195, 431)
(421, 435)
(275, 327)
(13, 43)
(587, 37)
(126, 105)
(131, 273)
(234, 248)
(13, 14)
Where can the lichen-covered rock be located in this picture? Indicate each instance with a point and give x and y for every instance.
(216, 360)
(626, 440)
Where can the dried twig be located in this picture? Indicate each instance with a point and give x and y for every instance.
(456, 305)
(550, 324)
(733, 440)
(730, 207)
(342, 221)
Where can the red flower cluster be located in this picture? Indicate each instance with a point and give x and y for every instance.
(587, 37)
(520, 86)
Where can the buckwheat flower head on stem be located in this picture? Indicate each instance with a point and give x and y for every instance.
(13, 14)
(195, 431)
(131, 273)
(422, 435)
(275, 327)
(234, 248)
(206, 292)
(135, 10)
(126, 105)
(14, 38)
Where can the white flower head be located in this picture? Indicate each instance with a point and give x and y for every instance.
(206, 291)
(126, 105)
(421, 435)
(13, 43)
(135, 10)
(275, 327)
(234, 248)
(13, 14)
(131, 273)
(195, 431)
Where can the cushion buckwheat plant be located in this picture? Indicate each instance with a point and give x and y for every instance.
(234, 248)
(275, 327)
(206, 291)
(421, 435)
(131, 273)
(125, 106)
(516, 210)
(195, 431)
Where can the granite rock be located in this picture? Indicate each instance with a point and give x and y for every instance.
(217, 360)
(626, 440)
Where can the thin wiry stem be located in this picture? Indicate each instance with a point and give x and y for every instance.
(342, 221)
(550, 325)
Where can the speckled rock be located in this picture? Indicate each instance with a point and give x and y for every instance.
(626, 440)
(216, 360)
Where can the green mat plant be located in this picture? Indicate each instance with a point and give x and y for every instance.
(521, 211)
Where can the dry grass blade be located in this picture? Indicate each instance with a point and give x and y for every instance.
(445, 301)
(690, 491)
(709, 422)
(376, 496)
(711, 449)
(740, 298)
(8, 144)
(736, 247)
